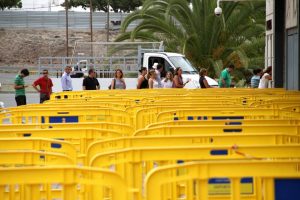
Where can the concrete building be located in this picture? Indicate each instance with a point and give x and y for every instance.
(282, 42)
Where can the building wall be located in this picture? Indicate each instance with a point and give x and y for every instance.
(282, 43)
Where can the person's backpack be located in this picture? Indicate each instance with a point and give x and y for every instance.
(109, 87)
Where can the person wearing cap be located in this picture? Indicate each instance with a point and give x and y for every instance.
(142, 81)
(20, 86)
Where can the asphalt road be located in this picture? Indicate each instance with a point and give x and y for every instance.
(9, 99)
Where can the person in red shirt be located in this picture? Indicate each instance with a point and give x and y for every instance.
(45, 86)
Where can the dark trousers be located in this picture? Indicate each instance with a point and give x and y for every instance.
(43, 97)
(20, 100)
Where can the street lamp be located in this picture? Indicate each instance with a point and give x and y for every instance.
(218, 9)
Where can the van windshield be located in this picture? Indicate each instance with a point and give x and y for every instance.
(186, 66)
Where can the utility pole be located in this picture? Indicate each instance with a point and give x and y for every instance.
(91, 26)
(67, 28)
(107, 33)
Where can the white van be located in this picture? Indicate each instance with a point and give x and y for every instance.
(172, 60)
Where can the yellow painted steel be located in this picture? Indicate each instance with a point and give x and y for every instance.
(80, 138)
(219, 129)
(134, 163)
(118, 127)
(87, 115)
(147, 116)
(61, 182)
(163, 178)
(39, 144)
(229, 123)
(233, 133)
(33, 157)
(211, 140)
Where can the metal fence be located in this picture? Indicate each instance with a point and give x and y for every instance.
(47, 19)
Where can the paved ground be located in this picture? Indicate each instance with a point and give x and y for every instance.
(9, 99)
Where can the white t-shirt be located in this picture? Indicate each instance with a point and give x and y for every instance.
(155, 84)
(264, 82)
(168, 84)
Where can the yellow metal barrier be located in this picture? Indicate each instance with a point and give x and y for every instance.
(134, 163)
(161, 182)
(39, 144)
(219, 129)
(148, 116)
(109, 145)
(73, 115)
(80, 138)
(61, 182)
(118, 127)
(32, 157)
(226, 122)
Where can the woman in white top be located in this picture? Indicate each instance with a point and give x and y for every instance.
(152, 79)
(264, 80)
(168, 81)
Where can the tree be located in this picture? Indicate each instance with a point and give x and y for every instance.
(193, 30)
(10, 4)
(116, 5)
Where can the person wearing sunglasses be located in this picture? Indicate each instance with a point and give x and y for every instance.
(45, 86)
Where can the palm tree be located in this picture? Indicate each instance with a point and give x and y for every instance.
(191, 28)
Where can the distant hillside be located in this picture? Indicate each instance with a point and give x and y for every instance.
(22, 47)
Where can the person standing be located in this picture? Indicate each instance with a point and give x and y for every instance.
(66, 80)
(45, 86)
(225, 78)
(142, 80)
(158, 71)
(20, 86)
(168, 81)
(91, 82)
(152, 81)
(177, 80)
(118, 82)
(267, 76)
(256, 78)
(203, 82)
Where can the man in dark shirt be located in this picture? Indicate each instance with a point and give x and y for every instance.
(91, 82)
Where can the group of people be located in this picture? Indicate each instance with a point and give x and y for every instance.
(43, 85)
(154, 79)
(260, 79)
(147, 79)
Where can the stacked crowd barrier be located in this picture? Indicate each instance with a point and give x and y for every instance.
(153, 144)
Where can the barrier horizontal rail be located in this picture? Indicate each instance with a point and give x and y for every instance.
(148, 115)
(140, 154)
(80, 138)
(119, 127)
(197, 175)
(214, 114)
(39, 144)
(75, 183)
(134, 163)
(226, 122)
(68, 115)
(108, 145)
(33, 157)
(219, 129)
